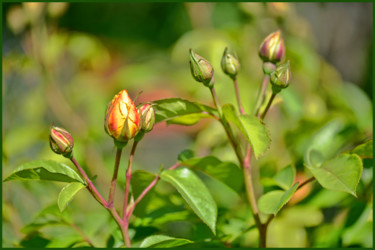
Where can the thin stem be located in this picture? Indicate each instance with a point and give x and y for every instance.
(90, 186)
(268, 106)
(261, 94)
(143, 194)
(239, 103)
(305, 182)
(128, 178)
(94, 192)
(84, 236)
(114, 178)
(216, 101)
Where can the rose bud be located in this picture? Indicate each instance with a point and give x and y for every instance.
(122, 118)
(147, 115)
(230, 63)
(280, 78)
(201, 69)
(61, 141)
(272, 48)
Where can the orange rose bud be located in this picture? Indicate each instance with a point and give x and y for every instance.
(122, 118)
(272, 48)
(61, 141)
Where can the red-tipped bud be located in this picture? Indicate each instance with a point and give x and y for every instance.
(201, 69)
(147, 114)
(122, 118)
(272, 48)
(61, 141)
(280, 78)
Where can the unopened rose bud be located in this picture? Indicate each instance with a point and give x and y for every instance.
(272, 48)
(147, 115)
(201, 69)
(122, 118)
(61, 141)
(280, 78)
(230, 63)
(268, 68)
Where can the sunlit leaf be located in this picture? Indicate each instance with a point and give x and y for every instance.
(272, 202)
(364, 150)
(167, 109)
(45, 170)
(188, 120)
(285, 177)
(251, 127)
(195, 193)
(163, 241)
(340, 174)
(67, 194)
(228, 173)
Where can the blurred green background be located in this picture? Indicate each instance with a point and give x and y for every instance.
(63, 62)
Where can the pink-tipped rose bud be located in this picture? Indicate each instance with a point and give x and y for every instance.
(201, 69)
(272, 48)
(147, 114)
(61, 141)
(122, 118)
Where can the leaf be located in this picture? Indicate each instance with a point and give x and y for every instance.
(185, 155)
(272, 202)
(285, 177)
(195, 193)
(188, 120)
(228, 173)
(339, 174)
(45, 170)
(364, 150)
(163, 241)
(167, 109)
(251, 127)
(67, 194)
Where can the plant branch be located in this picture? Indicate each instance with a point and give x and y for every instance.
(84, 236)
(305, 182)
(261, 94)
(239, 103)
(114, 178)
(90, 186)
(268, 106)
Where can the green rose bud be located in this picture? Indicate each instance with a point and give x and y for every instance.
(280, 78)
(61, 141)
(230, 64)
(272, 48)
(268, 68)
(201, 69)
(147, 114)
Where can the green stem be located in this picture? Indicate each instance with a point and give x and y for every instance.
(268, 106)
(126, 198)
(239, 103)
(261, 94)
(114, 178)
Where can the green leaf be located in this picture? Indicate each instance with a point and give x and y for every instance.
(364, 150)
(67, 194)
(45, 170)
(285, 177)
(163, 241)
(195, 193)
(188, 120)
(339, 174)
(272, 202)
(185, 155)
(251, 127)
(167, 109)
(228, 173)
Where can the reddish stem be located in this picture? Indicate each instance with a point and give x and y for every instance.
(114, 178)
(240, 107)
